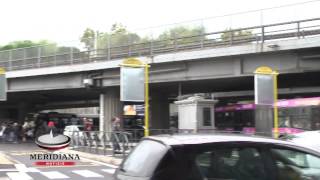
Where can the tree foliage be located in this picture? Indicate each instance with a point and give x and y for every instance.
(23, 44)
(47, 47)
(195, 34)
(88, 38)
(236, 35)
(119, 35)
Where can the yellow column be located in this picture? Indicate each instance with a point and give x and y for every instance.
(146, 101)
(275, 112)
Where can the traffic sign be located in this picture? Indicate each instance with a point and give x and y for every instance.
(132, 81)
(266, 91)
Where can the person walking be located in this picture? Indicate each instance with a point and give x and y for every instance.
(2, 132)
(25, 128)
(52, 127)
(16, 132)
(115, 139)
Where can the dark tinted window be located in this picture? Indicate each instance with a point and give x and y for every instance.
(169, 168)
(207, 117)
(231, 163)
(144, 159)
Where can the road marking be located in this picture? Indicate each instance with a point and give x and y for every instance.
(33, 170)
(87, 173)
(5, 159)
(23, 153)
(4, 178)
(54, 175)
(101, 163)
(110, 171)
(21, 167)
(24, 168)
(19, 176)
(7, 170)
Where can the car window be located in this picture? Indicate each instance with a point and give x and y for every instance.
(231, 163)
(292, 164)
(144, 159)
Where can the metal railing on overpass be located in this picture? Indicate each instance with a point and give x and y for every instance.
(53, 55)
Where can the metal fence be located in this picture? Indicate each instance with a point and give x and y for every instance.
(53, 55)
(101, 142)
(121, 143)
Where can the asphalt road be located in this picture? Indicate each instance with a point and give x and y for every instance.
(15, 164)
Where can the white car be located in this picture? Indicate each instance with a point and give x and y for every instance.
(307, 138)
(75, 132)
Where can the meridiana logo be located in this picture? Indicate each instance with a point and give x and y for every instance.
(53, 141)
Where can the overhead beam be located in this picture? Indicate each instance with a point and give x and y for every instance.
(282, 91)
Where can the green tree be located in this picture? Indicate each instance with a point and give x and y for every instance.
(117, 36)
(47, 48)
(88, 38)
(236, 35)
(187, 34)
(120, 36)
(23, 44)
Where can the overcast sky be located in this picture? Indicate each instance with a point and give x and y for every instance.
(65, 20)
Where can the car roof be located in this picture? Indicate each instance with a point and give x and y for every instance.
(189, 139)
(74, 126)
(308, 133)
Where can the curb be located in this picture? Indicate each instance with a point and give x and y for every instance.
(101, 158)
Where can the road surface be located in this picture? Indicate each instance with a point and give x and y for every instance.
(15, 164)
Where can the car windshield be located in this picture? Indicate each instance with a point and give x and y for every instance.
(144, 159)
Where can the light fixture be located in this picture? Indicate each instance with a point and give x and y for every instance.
(273, 45)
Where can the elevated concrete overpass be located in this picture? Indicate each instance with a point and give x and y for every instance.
(226, 71)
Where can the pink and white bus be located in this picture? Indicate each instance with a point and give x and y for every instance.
(295, 115)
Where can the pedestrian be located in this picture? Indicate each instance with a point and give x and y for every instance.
(16, 132)
(115, 139)
(116, 124)
(74, 120)
(7, 132)
(2, 132)
(52, 128)
(25, 127)
(88, 123)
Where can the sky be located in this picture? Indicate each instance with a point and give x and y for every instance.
(65, 20)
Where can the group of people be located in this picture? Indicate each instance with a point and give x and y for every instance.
(14, 132)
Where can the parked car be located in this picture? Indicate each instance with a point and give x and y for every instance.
(307, 138)
(213, 157)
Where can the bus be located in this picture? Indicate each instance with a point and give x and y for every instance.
(295, 115)
(61, 120)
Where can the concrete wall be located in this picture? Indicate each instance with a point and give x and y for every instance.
(35, 83)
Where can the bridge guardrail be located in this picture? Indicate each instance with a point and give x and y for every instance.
(50, 55)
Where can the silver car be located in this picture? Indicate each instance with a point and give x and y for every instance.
(219, 157)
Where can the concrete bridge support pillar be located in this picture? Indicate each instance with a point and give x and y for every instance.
(110, 106)
(159, 109)
(23, 110)
(4, 115)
